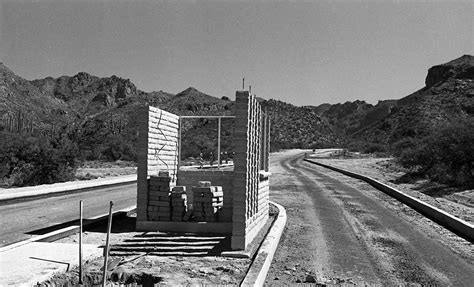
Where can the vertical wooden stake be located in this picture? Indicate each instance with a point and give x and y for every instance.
(80, 242)
(106, 250)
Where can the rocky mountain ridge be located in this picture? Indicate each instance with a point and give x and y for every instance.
(101, 105)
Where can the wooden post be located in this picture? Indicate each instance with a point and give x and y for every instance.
(106, 250)
(80, 241)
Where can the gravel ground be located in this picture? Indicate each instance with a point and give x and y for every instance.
(459, 203)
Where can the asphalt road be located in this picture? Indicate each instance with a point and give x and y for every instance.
(342, 233)
(24, 219)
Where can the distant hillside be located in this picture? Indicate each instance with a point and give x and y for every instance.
(93, 110)
(448, 95)
(19, 98)
(298, 127)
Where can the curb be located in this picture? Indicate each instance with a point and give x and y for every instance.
(41, 190)
(261, 264)
(457, 225)
(61, 233)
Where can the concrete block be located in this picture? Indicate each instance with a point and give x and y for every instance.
(179, 189)
(160, 194)
(164, 174)
(163, 203)
(201, 189)
(204, 184)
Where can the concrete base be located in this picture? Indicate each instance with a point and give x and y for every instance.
(177, 226)
(37, 261)
(261, 264)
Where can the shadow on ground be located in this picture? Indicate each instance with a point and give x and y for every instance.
(120, 223)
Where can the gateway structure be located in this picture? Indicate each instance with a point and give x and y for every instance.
(232, 202)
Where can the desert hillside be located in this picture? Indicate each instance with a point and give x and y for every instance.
(93, 108)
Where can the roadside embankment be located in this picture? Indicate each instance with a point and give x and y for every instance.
(64, 187)
(451, 222)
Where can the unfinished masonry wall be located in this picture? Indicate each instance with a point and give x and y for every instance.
(250, 197)
(157, 151)
(245, 190)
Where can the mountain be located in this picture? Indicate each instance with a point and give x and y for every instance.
(20, 98)
(193, 102)
(298, 127)
(96, 109)
(448, 95)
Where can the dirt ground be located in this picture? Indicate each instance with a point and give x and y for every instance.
(457, 202)
(343, 232)
(341, 243)
(157, 257)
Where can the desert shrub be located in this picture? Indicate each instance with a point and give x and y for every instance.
(446, 155)
(117, 148)
(366, 147)
(373, 148)
(96, 140)
(30, 160)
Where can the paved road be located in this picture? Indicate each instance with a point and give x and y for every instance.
(23, 217)
(341, 234)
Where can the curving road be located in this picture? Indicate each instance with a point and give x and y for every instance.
(24, 219)
(341, 231)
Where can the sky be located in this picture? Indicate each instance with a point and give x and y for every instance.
(301, 52)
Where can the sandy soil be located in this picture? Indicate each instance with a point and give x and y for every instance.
(457, 202)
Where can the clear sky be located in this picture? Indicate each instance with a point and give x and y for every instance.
(302, 52)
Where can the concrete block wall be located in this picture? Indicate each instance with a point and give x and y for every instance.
(245, 190)
(190, 178)
(248, 205)
(157, 150)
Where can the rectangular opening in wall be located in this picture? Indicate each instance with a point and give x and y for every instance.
(206, 142)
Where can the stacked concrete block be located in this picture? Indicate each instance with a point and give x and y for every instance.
(178, 203)
(222, 178)
(159, 200)
(207, 201)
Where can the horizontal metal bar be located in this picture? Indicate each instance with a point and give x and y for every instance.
(207, 117)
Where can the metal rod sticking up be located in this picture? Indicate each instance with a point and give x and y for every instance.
(180, 128)
(218, 143)
(106, 250)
